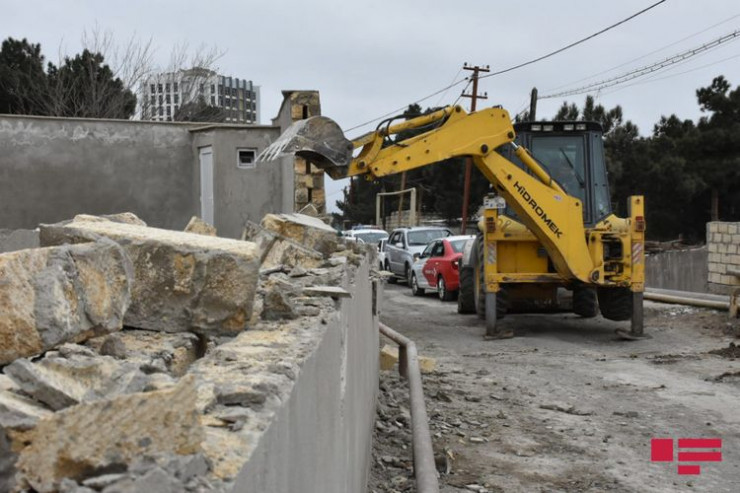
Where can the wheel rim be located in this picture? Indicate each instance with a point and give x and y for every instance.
(441, 288)
(414, 285)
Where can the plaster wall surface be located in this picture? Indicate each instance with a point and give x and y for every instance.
(54, 168)
(18, 239)
(244, 193)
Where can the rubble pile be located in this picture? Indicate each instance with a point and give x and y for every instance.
(140, 359)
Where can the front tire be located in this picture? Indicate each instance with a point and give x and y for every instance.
(584, 302)
(415, 289)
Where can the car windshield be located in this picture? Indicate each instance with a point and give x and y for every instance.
(371, 237)
(417, 238)
(458, 245)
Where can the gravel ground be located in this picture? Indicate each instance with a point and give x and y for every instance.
(563, 406)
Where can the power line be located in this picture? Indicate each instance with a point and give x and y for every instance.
(445, 93)
(647, 54)
(573, 44)
(446, 88)
(649, 69)
(654, 79)
(395, 112)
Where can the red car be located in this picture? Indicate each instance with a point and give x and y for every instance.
(438, 268)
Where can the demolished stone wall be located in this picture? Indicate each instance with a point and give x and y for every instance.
(191, 397)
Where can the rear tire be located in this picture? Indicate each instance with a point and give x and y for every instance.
(584, 302)
(466, 294)
(444, 294)
(415, 289)
(615, 303)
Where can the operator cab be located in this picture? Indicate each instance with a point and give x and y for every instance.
(572, 153)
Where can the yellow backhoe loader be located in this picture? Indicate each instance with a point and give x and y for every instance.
(549, 224)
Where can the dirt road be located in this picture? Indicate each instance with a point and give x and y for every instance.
(565, 405)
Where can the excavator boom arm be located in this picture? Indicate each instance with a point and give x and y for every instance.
(554, 217)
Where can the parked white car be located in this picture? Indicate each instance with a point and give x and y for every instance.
(366, 235)
(404, 243)
(381, 253)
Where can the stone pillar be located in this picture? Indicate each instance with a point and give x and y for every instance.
(308, 179)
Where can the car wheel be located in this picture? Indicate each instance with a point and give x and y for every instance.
(415, 289)
(444, 294)
(407, 273)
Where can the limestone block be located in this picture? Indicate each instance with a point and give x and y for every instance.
(107, 434)
(732, 229)
(200, 227)
(67, 293)
(301, 195)
(389, 357)
(306, 230)
(19, 412)
(722, 227)
(182, 281)
(61, 382)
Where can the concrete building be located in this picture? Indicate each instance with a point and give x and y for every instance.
(163, 95)
(165, 172)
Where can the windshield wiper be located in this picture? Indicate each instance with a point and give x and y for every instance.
(570, 163)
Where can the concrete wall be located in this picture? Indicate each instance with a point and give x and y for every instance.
(54, 168)
(723, 242)
(320, 441)
(682, 270)
(18, 239)
(242, 194)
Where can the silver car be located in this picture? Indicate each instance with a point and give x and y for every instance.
(404, 243)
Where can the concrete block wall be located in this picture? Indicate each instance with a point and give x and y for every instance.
(681, 270)
(723, 245)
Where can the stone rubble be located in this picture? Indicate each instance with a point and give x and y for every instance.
(182, 281)
(186, 350)
(49, 296)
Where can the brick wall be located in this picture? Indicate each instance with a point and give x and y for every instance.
(723, 245)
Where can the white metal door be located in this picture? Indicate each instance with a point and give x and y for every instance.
(206, 184)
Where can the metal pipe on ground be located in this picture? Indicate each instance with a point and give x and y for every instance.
(701, 299)
(425, 470)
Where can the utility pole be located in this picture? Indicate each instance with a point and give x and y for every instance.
(533, 105)
(469, 162)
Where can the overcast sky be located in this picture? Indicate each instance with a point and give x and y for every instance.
(370, 58)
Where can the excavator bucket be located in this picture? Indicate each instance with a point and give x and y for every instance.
(317, 139)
